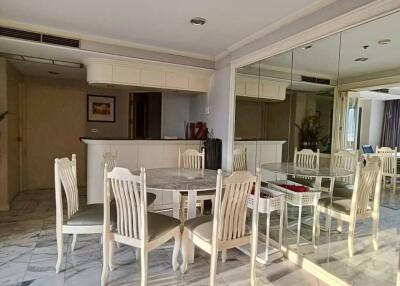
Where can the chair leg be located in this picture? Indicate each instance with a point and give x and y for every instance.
(143, 264)
(177, 245)
(316, 217)
(137, 253)
(299, 226)
(74, 236)
(60, 249)
(212, 205)
(224, 255)
(213, 267)
(186, 237)
(339, 225)
(350, 239)
(202, 207)
(111, 255)
(286, 216)
(394, 179)
(106, 253)
(375, 223)
(317, 224)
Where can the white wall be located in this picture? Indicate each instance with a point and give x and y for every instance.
(371, 122)
(375, 127)
(218, 104)
(117, 129)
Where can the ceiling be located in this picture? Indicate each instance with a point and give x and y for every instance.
(322, 59)
(49, 70)
(163, 24)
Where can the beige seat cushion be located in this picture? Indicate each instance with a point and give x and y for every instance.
(92, 215)
(340, 189)
(339, 204)
(202, 227)
(159, 224)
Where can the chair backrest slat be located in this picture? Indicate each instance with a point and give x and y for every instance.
(344, 160)
(388, 157)
(65, 172)
(130, 196)
(367, 185)
(306, 158)
(191, 159)
(240, 159)
(231, 215)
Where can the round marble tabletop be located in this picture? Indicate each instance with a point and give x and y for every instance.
(174, 179)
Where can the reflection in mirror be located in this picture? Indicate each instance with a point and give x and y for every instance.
(370, 111)
(263, 122)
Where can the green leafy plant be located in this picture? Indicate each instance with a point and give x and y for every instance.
(309, 132)
(3, 115)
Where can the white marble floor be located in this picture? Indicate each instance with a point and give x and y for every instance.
(28, 256)
(366, 267)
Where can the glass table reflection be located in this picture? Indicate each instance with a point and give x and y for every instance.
(305, 199)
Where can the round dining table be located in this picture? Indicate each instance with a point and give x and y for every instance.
(177, 180)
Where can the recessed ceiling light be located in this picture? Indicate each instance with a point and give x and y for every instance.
(361, 59)
(365, 47)
(53, 72)
(198, 21)
(384, 41)
(307, 47)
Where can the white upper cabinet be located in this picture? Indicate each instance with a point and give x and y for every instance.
(126, 74)
(176, 80)
(148, 74)
(259, 87)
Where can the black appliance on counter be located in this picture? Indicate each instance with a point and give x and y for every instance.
(213, 150)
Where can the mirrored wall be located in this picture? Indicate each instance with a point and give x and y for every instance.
(339, 93)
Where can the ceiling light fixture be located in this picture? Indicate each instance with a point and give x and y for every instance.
(361, 59)
(384, 41)
(307, 47)
(198, 21)
(365, 47)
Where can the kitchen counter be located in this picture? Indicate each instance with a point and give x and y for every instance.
(133, 154)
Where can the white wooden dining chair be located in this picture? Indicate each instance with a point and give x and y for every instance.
(363, 204)
(110, 160)
(342, 160)
(226, 228)
(135, 226)
(80, 220)
(388, 157)
(193, 159)
(239, 159)
(306, 159)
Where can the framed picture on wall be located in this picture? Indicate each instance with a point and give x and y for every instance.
(100, 108)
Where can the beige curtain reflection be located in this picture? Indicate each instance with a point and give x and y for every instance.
(339, 119)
